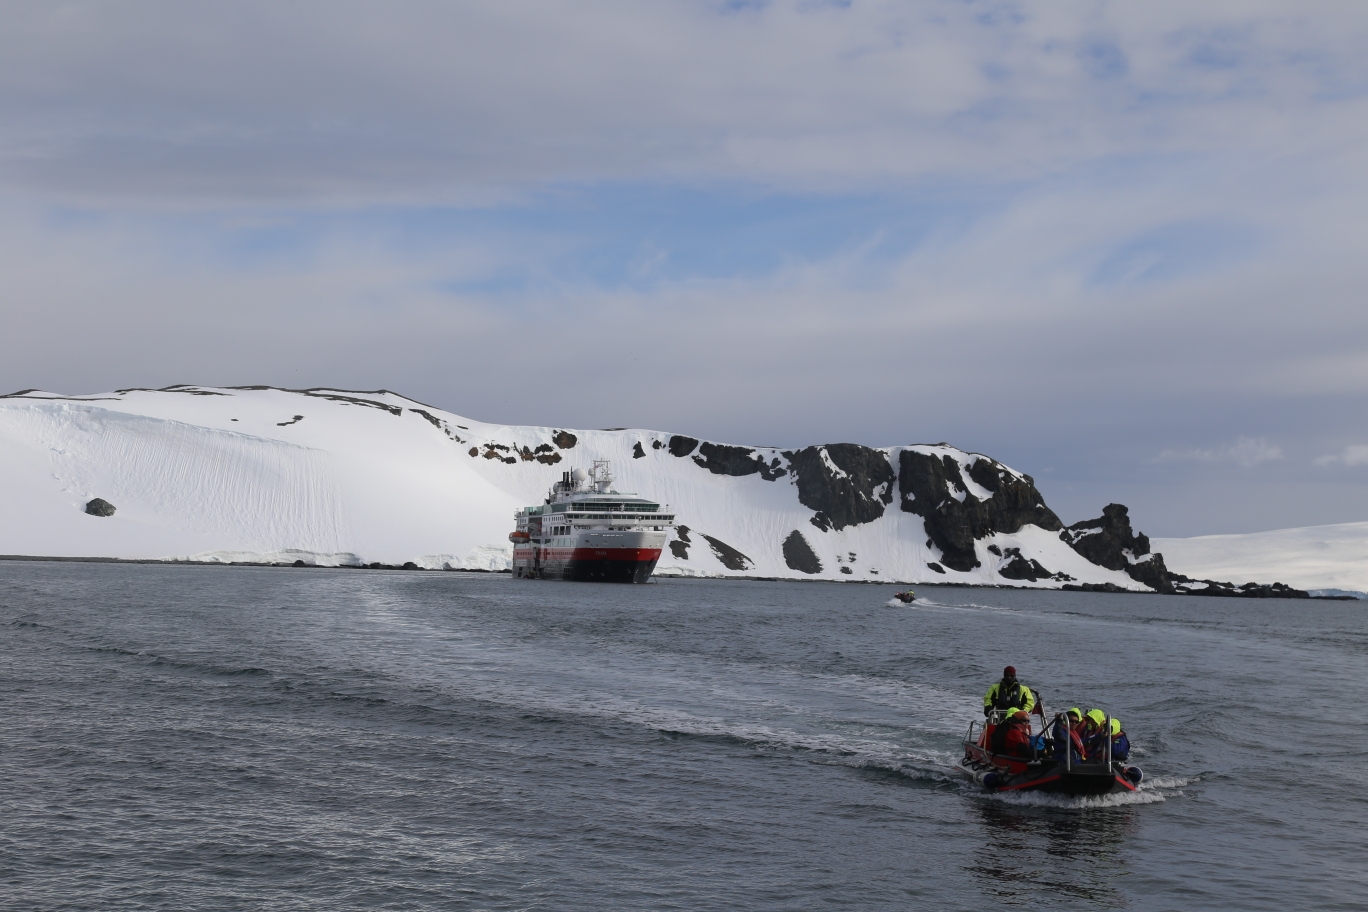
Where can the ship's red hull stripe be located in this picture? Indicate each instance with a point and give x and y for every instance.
(591, 554)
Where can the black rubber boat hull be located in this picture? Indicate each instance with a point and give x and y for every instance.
(1008, 775)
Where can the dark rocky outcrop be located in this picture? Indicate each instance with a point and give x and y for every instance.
(1153, 573)
(1019, 568)
(439, 424)
(681, 445)
(854, 492)
(1105, 540)
(99, 507)
(656, 444)
(721, 459)
(428, 417)
(729, 556)
(338, 397)
(1109, 541)
(1186, 586)
(680, 548)
(295, 420)
(638, 452)
(798, 554)
(933, 488)
(1092, 587)
(564, 439)
(936, 567)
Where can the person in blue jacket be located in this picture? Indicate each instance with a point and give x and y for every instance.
(1120, 743)
(1066, 731)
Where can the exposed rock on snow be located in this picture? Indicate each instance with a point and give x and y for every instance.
(682, 446)
(1109, 541)
(1016, 567)
(1105, 540)
(99, 507)
(679, 546)
(729, 556)
(1230, 590)
(846, 484)
(932, 486)
(738, 462)
(798, 554)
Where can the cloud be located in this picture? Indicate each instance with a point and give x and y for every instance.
(1352, 455)
(1245, 451)
(1054, 233)
(427, 102)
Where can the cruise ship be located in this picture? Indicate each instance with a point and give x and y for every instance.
(586, 531)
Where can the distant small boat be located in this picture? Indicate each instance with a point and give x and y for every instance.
(905, 597)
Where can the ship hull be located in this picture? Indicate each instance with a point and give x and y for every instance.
(597, 557)
(624, 565)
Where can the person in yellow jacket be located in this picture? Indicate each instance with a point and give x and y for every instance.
(1009, 693)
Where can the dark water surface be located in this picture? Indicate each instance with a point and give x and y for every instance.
(238, 738)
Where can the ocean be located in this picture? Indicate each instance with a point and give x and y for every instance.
(193, 737)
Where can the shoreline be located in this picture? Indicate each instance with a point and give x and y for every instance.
(412, 567)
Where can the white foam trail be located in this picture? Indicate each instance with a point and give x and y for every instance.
(1076, 803)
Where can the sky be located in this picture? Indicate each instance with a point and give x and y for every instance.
(1117, 246)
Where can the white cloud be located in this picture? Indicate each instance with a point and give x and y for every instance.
(1352, 455)
(1245, 451)
(423, 101)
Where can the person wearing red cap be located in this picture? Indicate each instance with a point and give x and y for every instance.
(1009, 693)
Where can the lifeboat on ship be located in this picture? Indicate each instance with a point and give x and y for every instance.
(1052, 767)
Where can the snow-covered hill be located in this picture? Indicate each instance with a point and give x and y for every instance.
(340, 477)
(1315, 557)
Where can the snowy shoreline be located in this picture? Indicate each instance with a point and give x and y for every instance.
(323, 477)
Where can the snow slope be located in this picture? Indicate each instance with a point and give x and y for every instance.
(337, 477)
(1315, 557)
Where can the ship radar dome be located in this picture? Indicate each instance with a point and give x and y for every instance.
(578, 476)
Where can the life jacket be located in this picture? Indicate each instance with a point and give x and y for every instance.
(1066, 734)
(1011, 738)
(1008, 697)
(1017, 743)
(1096, 744)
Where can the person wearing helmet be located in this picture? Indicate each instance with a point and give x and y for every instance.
(1067, 729)
(1007, 694)
(1120, 743)
(1095, 734)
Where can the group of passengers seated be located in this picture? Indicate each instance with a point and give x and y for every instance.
(1084, 735)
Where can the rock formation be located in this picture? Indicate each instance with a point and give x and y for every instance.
(99, 507)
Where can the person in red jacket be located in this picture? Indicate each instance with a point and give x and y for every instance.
(1016, 741)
